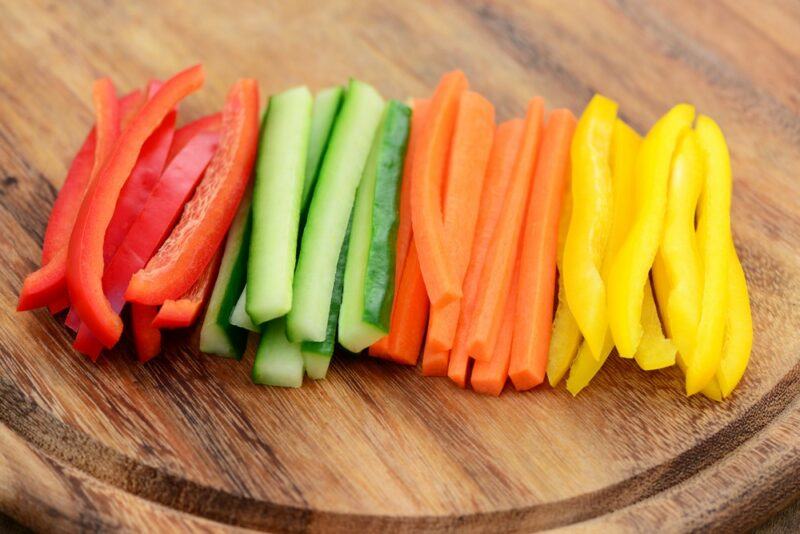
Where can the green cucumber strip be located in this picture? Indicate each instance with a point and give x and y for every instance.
(355, 334)
(329, 212)
(239, 315)
(217, 335)
(326, 105)
(280, 173)
(317, 354)
(278, 361)
(379, 282)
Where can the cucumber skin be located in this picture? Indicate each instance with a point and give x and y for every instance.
(278, 361)
(327, 104)
(379, 284)
(272, 258)
(325, 348)
(227, 288)
(326, 226)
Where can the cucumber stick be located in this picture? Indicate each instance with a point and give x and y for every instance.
(329, 211)
(317, 354)
(280, 174)
(369, 274)
(239, 315)
(278, 361)
(217, 335)
(326, 105)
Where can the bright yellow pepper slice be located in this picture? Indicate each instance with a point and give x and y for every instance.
(714, 240)
(632, 264)
(655, 351)
(590, 224)
(566, 336)
(625, 143)
(679, 243)
(662, 291)
(739, 329)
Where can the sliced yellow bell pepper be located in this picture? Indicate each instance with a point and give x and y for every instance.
(589, 227)
(679, 243)
(655, 351)
(625, 143)
(739, 329)
(633, 262)
(714, 240)
(566, 336)
(662, 291)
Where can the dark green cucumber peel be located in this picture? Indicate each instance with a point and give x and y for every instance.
(379, 284)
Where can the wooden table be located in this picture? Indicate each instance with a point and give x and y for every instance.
(188, 441)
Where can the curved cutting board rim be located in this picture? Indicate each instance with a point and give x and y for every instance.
(41, 430)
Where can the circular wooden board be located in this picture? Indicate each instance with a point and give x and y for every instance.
(188, 441)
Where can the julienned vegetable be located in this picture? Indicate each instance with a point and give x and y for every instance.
(278, 362)
(218, 335)
(280, 173)
(329, 212)
(369, 274)
(327, 103)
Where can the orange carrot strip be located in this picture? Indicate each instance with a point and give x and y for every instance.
(507, 139)
(490, 377)
(430, 162)
(533, 315)
(497, 271)
(405, 339)
(404, 231)
(469, 156)
(434, 362)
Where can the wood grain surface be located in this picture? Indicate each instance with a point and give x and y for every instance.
(187, 441)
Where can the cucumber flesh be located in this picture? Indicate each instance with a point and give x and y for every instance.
(280, 173)
(278, 362)
(329, 211)
(379, 282)
(326, 105)
(356, 334)
(317, 354)
(239, 315)
(217, 335)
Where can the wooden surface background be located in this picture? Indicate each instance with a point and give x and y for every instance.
(188, 441)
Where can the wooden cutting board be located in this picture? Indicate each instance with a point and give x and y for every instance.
(188, 441)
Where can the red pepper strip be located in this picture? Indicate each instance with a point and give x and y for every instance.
(159, 215)
(48, 284)
(194, 241)
(146, 337)
(184, 311)
(85, 262)
(186, 133)
(137, 189)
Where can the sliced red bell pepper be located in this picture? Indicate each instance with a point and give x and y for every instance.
(48, 285)
(146, 337)
(153, 224)
(182, 258)
(186, 133)
(184, 311)
(85, 257)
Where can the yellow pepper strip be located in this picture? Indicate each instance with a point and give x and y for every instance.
(738, 331)
(589, 227)
(566, 336)
(662, 291)
(655, 351)
(631, 266)
(679, 243)
(714, 239)
(625, 143)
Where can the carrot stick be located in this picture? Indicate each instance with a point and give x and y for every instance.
(434, 362)
(404, 231)
(405, 339)
(430, 162)
(533, 314)
(469, 155)
(507, 139)
(490, 377)
(497, 271)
